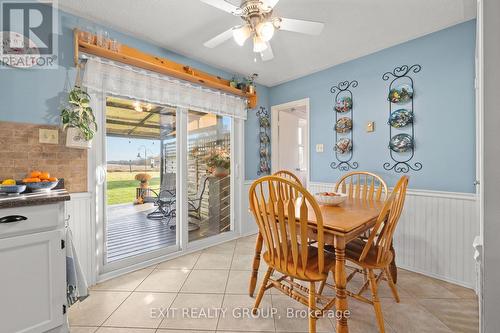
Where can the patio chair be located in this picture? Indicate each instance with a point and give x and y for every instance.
(194, 203)
(164, 198)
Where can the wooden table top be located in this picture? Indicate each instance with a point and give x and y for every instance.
(348, 216)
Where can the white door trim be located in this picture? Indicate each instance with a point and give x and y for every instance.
(274, 133)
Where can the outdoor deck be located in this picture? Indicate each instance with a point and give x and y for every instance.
(131, 233)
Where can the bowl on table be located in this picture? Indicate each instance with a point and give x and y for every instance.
(41, 186)
(12, 189)
(330, 198)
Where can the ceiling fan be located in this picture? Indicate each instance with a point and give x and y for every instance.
(260, 24)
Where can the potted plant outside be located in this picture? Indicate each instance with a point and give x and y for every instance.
(218, 162)
(78, 119)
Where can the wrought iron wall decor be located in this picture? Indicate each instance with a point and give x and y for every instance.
(343, 127)
(401, 121)
(264, 140)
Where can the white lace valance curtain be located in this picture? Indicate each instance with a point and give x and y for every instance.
(118, 79)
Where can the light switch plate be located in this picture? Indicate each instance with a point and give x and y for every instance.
(48, 136)
(370, 126)
(319, 148)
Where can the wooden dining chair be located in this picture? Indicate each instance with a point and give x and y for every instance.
(367, 186)
(283, 223)
(362, 184)
(288, 175)
(375, 253)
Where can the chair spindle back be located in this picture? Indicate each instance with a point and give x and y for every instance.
(362, 184)
(291, 177)
(381, 235)
(283, 223)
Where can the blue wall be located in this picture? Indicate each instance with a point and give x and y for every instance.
(34, 95)
(444, 110)
(444, 103)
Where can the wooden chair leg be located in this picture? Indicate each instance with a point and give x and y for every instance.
(321, 287)
(376, 301)
(262, 289)
(312, 307)
(393, 287)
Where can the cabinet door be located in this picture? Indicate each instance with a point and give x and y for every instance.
(32, 282)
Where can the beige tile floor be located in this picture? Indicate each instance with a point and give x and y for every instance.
(217, 278)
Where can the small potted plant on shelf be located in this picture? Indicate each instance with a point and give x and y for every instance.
(251, 83)
(78, 119)
(233, 82)
(218, 162)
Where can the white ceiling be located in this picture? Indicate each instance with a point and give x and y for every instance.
(353, 28)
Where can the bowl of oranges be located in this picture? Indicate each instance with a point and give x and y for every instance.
(39, 181)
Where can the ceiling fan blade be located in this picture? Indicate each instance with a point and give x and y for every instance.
(223, 5)
(267, 54)
(304, 27)
(270, 4)
(219, 39)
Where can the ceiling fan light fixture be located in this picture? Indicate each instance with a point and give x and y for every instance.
(259, 44)
(265, 30)
(241, 34)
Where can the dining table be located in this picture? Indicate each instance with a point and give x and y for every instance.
(341, 224)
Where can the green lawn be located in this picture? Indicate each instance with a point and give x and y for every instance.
(122, 186)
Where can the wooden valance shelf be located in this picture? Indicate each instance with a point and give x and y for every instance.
(137, 58)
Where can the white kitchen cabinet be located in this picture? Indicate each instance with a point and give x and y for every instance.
(32, 282)
(32, 266)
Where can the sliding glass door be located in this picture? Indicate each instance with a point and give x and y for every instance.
(208, 174)
(140, 188)
(166, 181)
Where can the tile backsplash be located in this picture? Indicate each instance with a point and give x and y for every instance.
(21, 152)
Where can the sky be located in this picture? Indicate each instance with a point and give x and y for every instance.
(127, 149)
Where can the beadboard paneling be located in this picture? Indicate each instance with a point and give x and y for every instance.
(435, 234)
(78, 209)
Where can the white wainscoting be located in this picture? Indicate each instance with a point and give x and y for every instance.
(435, 234)
(79, 209)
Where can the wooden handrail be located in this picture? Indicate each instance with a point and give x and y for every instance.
(137, 58)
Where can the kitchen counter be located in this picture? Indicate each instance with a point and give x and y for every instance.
(32, 199)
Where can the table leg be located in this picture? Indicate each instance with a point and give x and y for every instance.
(255, 265)
(341, 305)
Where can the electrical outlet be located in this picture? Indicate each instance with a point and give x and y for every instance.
(370, 126)
(319, 148)
(48, 136)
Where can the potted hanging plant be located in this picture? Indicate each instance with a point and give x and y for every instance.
(218, 162)
(78, 119)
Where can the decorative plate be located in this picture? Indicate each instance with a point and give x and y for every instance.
(343, 146)
(264, 122)
(401, 143)
(343, 125)
(401, 94)
(264, 138)
(344, 104)
(400, 118)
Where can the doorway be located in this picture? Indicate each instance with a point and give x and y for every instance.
(290, 138)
